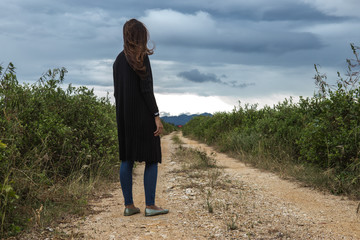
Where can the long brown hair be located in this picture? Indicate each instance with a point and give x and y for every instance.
(136, 37)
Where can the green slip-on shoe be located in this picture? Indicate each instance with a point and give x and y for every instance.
(153, 212)
(131, 211)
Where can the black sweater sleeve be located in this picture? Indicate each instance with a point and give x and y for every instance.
(147, 90)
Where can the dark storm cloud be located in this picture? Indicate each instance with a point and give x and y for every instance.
(195, 75)
(298, 12)
(202, 31)
(241, 9)
(266, 41)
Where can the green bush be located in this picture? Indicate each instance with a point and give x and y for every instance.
(50, 136)
(168, 127)
(322, 131)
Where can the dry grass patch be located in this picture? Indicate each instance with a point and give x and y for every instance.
(176, 139)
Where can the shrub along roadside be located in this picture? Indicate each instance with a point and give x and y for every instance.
(56, 146)
(315, 140)
(168, 127)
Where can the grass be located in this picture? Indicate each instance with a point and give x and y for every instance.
(287, 168)
(176, 139)
(194, 159)
(196, 164)
(214, 181)
(307, 175)
(209, 204)
(60, 202)
(232, 223)
(202, 160)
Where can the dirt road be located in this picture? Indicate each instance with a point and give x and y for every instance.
(245, 203)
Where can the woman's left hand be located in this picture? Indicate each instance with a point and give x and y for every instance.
(159, 126)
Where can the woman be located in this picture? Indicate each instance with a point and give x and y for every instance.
(137, 115)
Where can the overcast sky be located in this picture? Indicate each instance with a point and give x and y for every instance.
(209, 54)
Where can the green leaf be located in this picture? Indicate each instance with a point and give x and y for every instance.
(8, 188)
(2, 145)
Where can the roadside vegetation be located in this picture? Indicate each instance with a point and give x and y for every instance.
(56, 146)
(168, 128)
(176, 139)
(315, 140)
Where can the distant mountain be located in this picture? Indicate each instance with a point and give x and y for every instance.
(182, 119)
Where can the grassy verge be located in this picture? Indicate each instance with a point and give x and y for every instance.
(287, 167)
(315, 140)
(61, 204)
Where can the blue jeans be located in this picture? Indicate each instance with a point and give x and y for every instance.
(150, 177)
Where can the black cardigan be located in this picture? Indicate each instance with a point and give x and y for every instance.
(135, 109)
